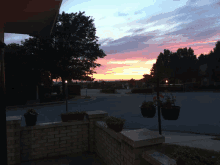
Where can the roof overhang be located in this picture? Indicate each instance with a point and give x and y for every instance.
(29, 17)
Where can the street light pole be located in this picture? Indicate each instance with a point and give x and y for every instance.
(159, 119)
(158, 104)
(66, 96)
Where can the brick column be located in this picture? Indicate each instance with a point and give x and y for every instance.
(94, 116)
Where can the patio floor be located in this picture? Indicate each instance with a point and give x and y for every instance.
(85, 158)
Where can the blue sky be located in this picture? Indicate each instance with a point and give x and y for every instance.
(133, 33)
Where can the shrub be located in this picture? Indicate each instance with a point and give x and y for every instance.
(115, 120)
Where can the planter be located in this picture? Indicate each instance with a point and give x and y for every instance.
(80, 116)
(114, 123)
(171, 113)
(70, 117)
(30, 119)
(148, 112)
(115, 127)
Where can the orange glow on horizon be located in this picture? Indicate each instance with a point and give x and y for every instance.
(126, 66)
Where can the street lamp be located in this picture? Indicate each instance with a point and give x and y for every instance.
(66, 96)
(166, 83)
(86, 88)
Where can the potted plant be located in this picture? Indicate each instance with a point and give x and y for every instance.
(169, 110)
(115, 123)
(31, 117)
(69, 116)
(148, 109)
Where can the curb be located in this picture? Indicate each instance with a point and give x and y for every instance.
(48, 103)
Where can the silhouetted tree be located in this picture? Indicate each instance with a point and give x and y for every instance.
(161, 68)
(215, 62)
(131, 83)
(71, 50)
(21, 82)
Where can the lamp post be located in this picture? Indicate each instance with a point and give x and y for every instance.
(66, 96)
(159, 120)
(86, 89)
(158, 107)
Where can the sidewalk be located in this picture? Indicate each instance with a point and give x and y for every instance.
(191, 140)
(35, 103)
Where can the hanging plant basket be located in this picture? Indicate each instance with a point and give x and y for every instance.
(148, 112)
(170, 113)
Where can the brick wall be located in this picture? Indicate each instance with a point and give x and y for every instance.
(50, 139)
(126, 147)
(47, 140)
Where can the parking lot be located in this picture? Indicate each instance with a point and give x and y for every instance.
(199, 111)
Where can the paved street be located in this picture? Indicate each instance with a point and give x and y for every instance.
(199, 111)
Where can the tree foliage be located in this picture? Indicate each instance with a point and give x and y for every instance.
(161, 68)
(132, 81)
(146, 78)
(184, 65)
(20, 67)
(71, 50)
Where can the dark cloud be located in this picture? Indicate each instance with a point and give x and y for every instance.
(181, 14)
(193, 11)
(206, 34)
(136, 30)
(126, 44)
(105, 41)
(194, 30)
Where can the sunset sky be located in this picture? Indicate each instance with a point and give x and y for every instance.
(133, 33)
